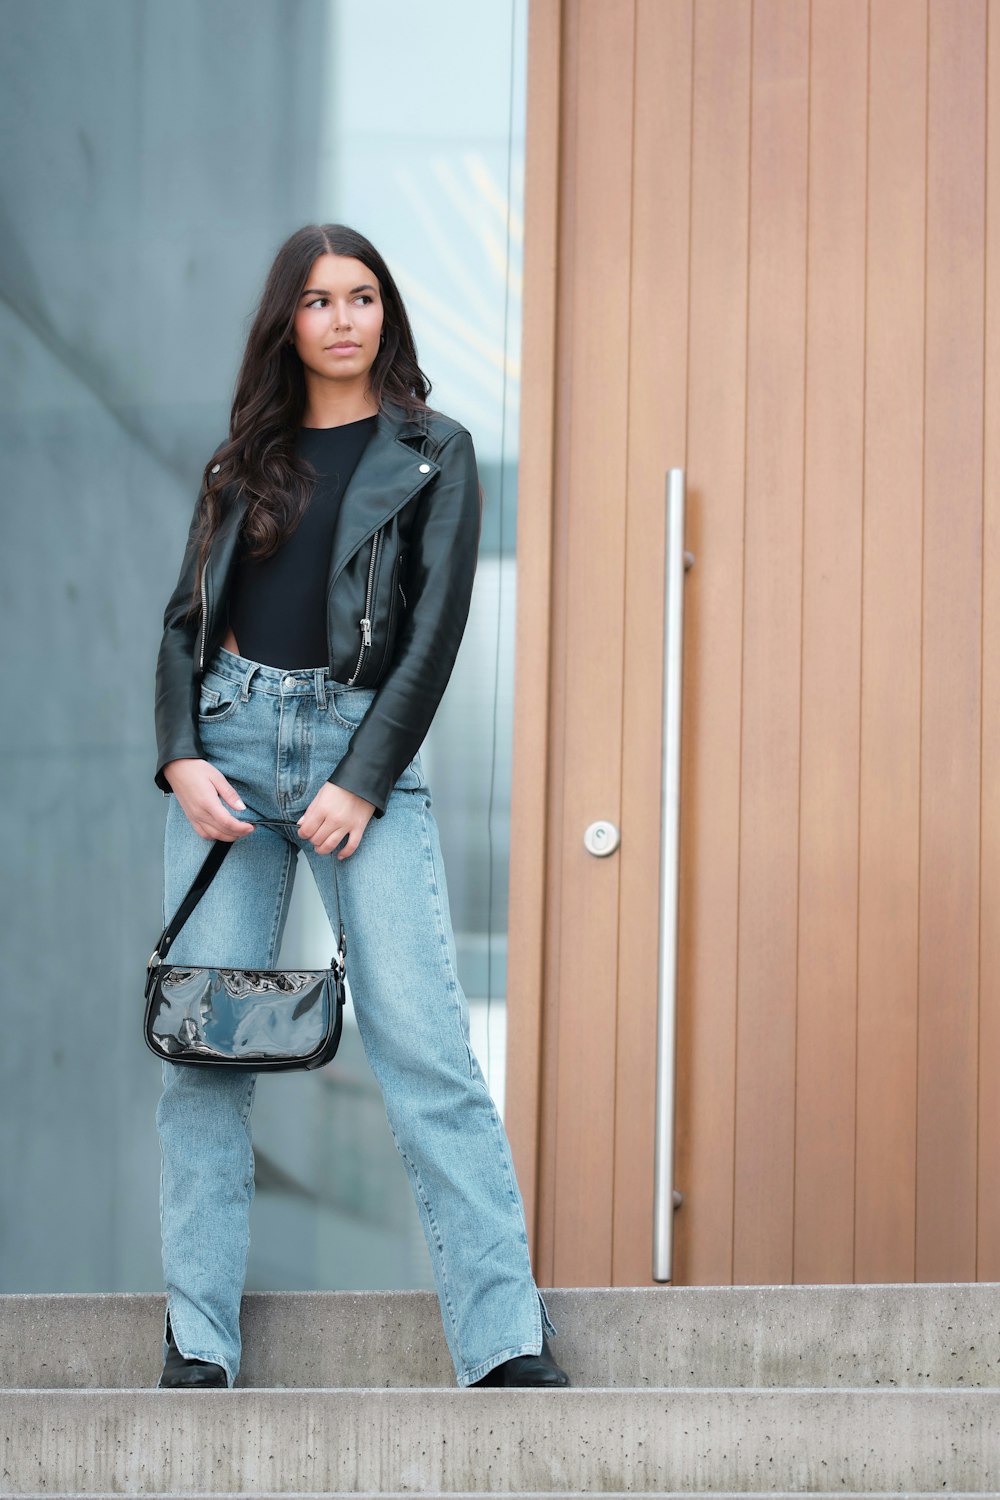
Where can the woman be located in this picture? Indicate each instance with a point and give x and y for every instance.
(323, 594)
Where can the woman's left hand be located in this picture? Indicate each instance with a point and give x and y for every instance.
(333, 814)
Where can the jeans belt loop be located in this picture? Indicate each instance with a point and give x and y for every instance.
(319, 677)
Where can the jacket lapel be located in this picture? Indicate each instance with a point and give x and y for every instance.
(387, 475)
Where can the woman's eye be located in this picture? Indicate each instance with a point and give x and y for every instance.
(322, 301)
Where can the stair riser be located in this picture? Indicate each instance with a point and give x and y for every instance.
(910, 1337)
(271, 1442)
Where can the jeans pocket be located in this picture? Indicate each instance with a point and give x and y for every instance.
(218, 697)
(412, 778)
(351, 704)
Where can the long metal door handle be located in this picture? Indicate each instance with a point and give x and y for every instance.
(676, 561)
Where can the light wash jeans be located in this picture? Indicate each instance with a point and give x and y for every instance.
(276, 736)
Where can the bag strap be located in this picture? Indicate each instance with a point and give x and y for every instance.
(200, 884)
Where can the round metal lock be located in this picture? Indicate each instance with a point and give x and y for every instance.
(601, 838)
(425, 468)
(288, 683)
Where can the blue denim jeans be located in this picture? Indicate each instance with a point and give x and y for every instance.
(276, 736)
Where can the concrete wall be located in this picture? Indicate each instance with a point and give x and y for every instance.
(160, 154)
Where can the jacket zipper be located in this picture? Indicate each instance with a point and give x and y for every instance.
(395, 588)
(366, 621)
(204, 620)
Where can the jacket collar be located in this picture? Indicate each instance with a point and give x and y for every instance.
(390, 471)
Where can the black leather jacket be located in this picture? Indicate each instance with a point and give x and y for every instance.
(403, 558)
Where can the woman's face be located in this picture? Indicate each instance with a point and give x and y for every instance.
(339, 319)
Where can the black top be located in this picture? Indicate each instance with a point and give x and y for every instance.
(277, 607)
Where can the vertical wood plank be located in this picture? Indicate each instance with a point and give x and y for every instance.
(529, 770)
(947, 1117)
(590, 517)
(710, 793)
(831, 644)
(657, 419)
(765, 1078)
(891, 628)
(558, 665)
(988, 1260)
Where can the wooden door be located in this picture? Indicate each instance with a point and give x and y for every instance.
(762, 245)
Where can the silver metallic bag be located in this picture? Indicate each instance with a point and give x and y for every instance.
(260, 1019)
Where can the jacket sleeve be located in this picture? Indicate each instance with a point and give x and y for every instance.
(176, 712)
(441, 567)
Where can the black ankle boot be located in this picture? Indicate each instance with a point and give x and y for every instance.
(180, 1371)
(527, 1369)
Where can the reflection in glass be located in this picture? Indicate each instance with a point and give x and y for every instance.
(157, 156)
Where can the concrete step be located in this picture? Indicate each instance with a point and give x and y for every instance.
(524, 1495)
(901, 1336)
(265, 1442)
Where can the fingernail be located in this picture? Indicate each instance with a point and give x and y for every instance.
(241, 806)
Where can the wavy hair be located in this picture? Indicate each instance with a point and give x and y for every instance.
(270, 396)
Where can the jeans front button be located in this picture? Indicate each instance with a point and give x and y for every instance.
(288, 683)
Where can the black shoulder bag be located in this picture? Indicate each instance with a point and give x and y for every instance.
(260, 1019)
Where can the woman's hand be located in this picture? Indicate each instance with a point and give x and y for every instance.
(198, 787)
(332, 813)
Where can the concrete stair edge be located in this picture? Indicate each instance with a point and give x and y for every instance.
(692, 1441)
(504, 1494)
(912, 1335)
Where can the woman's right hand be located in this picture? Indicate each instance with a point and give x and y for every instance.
(198, 787)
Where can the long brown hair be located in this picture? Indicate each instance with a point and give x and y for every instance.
(270, 395)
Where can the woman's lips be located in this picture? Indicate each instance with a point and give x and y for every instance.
(342, 348)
